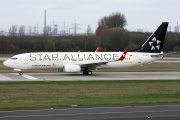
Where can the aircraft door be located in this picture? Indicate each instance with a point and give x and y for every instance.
(25, 59)
(139, 58)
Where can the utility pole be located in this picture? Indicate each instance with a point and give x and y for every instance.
(37, 29)
(30, 30)
(34, 30)
(75, 27)
(64, 28)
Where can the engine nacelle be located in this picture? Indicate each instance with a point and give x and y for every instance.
(69, 68)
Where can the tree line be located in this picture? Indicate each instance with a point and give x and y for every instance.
(115, 39)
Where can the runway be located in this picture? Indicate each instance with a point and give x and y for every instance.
(95, 76)
(126, 112)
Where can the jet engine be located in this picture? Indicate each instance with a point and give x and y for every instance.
(69, 68)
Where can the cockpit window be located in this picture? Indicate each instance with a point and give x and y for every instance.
(14, 58)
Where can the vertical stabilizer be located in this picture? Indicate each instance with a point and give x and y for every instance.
(155, 42)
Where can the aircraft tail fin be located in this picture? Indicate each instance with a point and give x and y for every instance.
(97, 49)
(155, 42)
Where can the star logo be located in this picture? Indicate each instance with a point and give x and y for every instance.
(155, 44)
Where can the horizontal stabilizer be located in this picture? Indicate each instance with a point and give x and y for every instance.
(97, 49)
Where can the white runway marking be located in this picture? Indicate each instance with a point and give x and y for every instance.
(29, 77)
(2, 77)
(25, 76)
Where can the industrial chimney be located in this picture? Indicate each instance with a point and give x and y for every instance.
(45, 19)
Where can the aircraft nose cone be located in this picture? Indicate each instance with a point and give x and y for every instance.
(5, 63)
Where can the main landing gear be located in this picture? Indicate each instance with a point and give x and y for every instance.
(20, 73)
(87, 72)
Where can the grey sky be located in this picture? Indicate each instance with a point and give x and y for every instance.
(145, 14)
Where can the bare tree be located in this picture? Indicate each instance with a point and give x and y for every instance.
(21, 30)
(89, 30)
(47, 30)
(119, 39)
(13, 30)
(103, 34)
(113, 20)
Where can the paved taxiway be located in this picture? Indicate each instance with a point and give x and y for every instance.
(95, 76)
(135, 112)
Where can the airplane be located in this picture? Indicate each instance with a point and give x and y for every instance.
(73, 62)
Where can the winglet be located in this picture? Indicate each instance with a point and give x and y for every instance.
(97, 49)
(123, 55)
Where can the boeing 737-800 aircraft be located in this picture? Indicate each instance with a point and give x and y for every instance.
(70, 62)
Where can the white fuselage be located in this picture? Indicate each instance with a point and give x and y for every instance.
(56, 60)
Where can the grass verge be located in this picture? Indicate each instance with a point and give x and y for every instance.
(43, 94)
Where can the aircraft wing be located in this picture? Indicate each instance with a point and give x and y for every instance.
(93, 65)
(156, 55)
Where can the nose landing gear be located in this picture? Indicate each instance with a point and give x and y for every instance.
(19, 70)
(20, 73)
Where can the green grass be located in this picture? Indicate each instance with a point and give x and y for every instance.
(41, 94)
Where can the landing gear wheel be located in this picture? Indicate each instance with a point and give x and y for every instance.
(84, 72)
(20, 73)
(87, 72)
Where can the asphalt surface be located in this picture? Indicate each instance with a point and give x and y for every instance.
(127, 112)
(95, 76)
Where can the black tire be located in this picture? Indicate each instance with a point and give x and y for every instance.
(85, 72)
(20, 73)
(89, 72)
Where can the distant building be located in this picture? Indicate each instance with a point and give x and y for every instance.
(176, 29)
(169, 29)
(3, 33)
(139, 30)
(55, 30)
